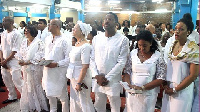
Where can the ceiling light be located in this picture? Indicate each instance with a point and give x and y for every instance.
(94, 2)
(113, 2)
(161, 10)
(157, 1)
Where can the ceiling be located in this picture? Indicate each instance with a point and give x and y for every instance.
(124, 5)
(128, 5)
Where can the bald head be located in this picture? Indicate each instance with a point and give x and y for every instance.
(151, 28)
(9, 19)
(57, 22)
(55, 26)
(8, 23)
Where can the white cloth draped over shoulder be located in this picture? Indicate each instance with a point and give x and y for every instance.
(178, 68)
(54, 79)
(109, 57)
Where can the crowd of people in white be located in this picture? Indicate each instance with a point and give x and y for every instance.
(96, 61)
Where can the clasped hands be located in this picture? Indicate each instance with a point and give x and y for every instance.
(22, 62)
(135, 87)
(101, 80)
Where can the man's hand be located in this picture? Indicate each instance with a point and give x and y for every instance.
(3, 62)
(52, 65)
(101, 80)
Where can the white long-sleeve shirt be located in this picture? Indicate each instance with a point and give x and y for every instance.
(54, 79)
(10, 42)
(43, 34)
(109, 56)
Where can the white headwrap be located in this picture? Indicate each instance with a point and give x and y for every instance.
(85, 28)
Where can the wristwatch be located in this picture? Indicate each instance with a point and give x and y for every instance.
(57, 65)
(174, 90)
(143, 88)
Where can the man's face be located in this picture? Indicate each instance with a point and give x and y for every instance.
(41, 25)
(6, 23)
(109, 22)
(52, 26)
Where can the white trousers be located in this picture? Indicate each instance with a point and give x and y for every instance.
(101, 100)
(63, 99)
(12, 78)
(80, 101)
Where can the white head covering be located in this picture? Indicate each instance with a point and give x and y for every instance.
(16, 25)
(85, 28)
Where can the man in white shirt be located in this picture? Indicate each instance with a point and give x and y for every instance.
(54, 80)
(108, 58)
(11, 73)
(42, 26)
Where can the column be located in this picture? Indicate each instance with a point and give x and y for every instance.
(81, 12)
(51, 10)
(28, 15)
(175, 15)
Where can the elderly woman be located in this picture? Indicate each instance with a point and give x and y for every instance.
(182, 70)
(31, 52)
(77, 72)
(145, 70)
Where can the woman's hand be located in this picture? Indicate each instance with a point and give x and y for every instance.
(78, 87)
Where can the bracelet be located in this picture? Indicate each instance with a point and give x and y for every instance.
(143, 88)
(79, 83)
(174, 90)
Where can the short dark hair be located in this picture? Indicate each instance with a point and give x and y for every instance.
(115, 16)
(147, 36)
(93, 32)
(33, 30)
(43, 20)
(119, 26)
(125, 29)
(129, 24)
(23, 23)
(189, 24)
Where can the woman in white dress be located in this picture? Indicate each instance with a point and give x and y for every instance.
(21, 28)
(127, 24)
(182, 70)
(145, 70)
(31, 52)
(78, 73)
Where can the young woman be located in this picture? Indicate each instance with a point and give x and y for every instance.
(145, 70)
(182, 70)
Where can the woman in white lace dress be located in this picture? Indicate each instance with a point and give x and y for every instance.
(78, 73)
(145, 70)
(31, 52)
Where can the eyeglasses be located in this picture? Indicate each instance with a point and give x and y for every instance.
(179, 30)
(26, 30)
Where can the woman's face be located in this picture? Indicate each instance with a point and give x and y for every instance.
(126, 23)
(27, 33)
(181, 31)
(89, 37)
(76, 31)
(73, 42)
(144, 46)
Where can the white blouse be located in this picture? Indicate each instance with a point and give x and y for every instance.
(78, 56)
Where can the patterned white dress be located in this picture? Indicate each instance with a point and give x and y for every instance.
(141, 74)
(33, 96)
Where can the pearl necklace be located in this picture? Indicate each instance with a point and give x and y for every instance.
(79, 41)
